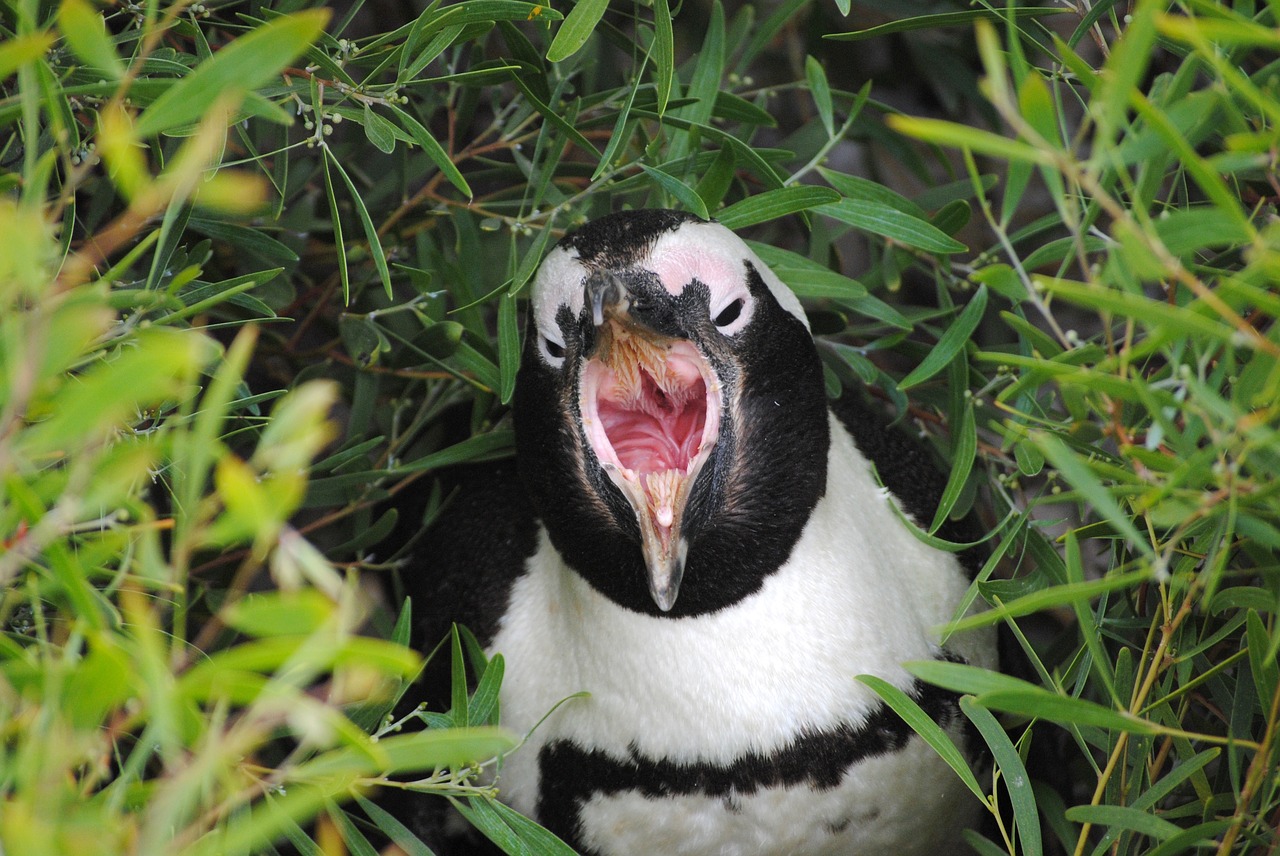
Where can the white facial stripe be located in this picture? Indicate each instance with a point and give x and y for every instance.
(559, 283)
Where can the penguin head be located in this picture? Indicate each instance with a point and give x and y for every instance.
(670, 413)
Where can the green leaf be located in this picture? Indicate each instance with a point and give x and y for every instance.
(807, 278)
(22, 50)
(576, 29)
(1102, 501)
(281, 613)
(964, 448)
(880, 219)
(508, 346)
(433, 149)
(664, 53)
(820, 89)
(393, 828)
(1262, 655)
(410, 752)
(964, 137)
(944, 19)
(370, 230)
(922, 724)
(952, 341)
(86, 32)
(681, 192)
(248, 63)
(380, 131)
(963, 678)
(866, 190)
(1016, 779)
(773, 204)
(1124, 817)
(1064, 710)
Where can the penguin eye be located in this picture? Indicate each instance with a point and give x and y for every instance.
(553, 351)
(729, 314)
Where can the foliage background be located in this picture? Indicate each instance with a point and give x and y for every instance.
(261, 263)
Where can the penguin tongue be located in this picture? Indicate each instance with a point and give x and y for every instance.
(651, 412)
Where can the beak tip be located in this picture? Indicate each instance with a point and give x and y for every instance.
(664, 581)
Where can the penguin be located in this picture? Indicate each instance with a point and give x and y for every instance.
(692, 557)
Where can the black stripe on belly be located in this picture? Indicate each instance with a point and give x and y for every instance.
(571, 775)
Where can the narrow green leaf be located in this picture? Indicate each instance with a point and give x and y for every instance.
(963, 678)
(664, 53)
(86, 33)
(681, 192)
(704, 86)
(773, 204)
(718, 178)
(622, 132)
(1262, 655)
(952, 341)
(352, 837)
(964, 448)
(339, 242)
(370, 230)
(1064, 710)
(930, 732)
(481, 814)
(746, 155)
(576, 29)
(961, 136)
(555, 117)
(249, 62)
(1123, 72)
(1088, 627)
(205, 297)
(1016, 780)
(539, 841)
(380, 131)
(944, 19)
(1124, 817)
(22, 50)
(806, 277)
(433, 150)
(1080, 477)
(820, 89)
(866, 190)
(477, 448)
(460, 708)
(484, 702)
(880, 219)
(508, 346)
(1059, 595)
(1186, 840)
(532, 258)
(393, 828)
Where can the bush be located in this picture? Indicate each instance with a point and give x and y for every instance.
(259, 268)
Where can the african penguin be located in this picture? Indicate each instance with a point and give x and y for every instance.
(695, 537)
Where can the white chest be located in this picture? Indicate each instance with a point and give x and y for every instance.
(746, 680)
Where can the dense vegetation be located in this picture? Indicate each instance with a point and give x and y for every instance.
(261, 268)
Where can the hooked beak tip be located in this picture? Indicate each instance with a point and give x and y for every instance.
(664, 581)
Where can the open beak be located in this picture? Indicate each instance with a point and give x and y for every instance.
(650, 408)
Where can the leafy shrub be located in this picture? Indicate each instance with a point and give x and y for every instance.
(1064, 274)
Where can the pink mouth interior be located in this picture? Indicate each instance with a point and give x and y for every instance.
(655, 430)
